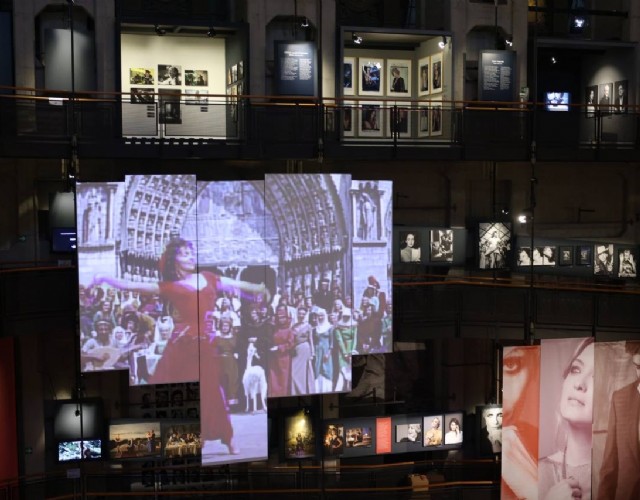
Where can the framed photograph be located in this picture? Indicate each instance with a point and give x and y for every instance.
(229, 77)
(329, 120)
(140, 95)
(300, 437)
(169, 74)
(193, 96)
(565, 256)
(134, 440)
(334, 440)
(371, 119)
(453, 428)
(234, 73)
(399, 77)
(432, 426)
(435, 113)
(544, 256)
(524, 257)
(423, 119)
(583, 256)
(603, 260)
(489, 430)
(240, 70)
(424, 78)
(605, 98)
(436, 74)
(441, 249)
(348, 76)
(181, 439)
(409, 433)
(621, 96)
(591, 99)
(410, 250)
(141, 76)
(627, 259)
(400, 119)
(371, 76)
(359, 437)
(196, 77)
(494, 244)
(170, 111)
(349, 114)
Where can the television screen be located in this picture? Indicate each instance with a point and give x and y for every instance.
(69, 451)
(557, 101)
(134, 440)
(63, 239)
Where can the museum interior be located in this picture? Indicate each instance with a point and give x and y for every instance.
(396, 204)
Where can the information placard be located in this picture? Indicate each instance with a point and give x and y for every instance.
(497, 76)
(295, 68)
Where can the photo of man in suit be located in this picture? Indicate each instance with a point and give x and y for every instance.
(620, 101)
(619, 477)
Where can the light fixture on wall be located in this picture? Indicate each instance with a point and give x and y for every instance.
(211, 32)
(160, 31)
(442, 43)
(356, 39)
(305, 22)
(553, 60)
(508, 41)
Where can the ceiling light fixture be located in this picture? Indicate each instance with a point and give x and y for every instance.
(160, 31)
(211, 32)
(356, 39)
(442, 43)
(305, 22)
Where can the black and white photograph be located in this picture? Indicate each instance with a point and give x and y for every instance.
(141, 95)
(240, 70)
(494, 244)
(234, 73)
(453, 428)
(436, 118)
(565, 256)
(193, 96)
(544, 256)
(399, 77)
(621, 96)
(196, 77)
(371, 119)
(348, 81)
(409, 433)
(441, 245)
(583, 255)
(169, 74)
(436, 74)
(169, 104)
(371, 77)
(423, 76)
(603, 260)
(627, 261)
(591, 100)
(605, 98)
(523, 257)
(489, 422)
(410, 246)
(141, 76)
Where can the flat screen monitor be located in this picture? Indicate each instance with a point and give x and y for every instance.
(63, 239)
(69, 451)
(557, 101)
(69, 426)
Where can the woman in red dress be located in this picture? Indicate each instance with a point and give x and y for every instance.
(282, 342)
(191, 294)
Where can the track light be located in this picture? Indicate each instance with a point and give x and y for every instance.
(356, 39)
(305, 23)
(211, 32)
(442, 43)
(509, 41)
(160, 31)
(553, 60)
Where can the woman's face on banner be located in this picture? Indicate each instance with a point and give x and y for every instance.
(576, 403)
(515, 376)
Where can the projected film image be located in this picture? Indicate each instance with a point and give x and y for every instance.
(134, 440)
(79, 450)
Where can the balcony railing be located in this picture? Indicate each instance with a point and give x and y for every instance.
(47, 124)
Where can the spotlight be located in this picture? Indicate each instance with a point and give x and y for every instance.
(522, 218)
(553, 60)
(211, 32)
(509, 41)
(505, 211)
(442, 42)
(356, 39)
(305, 23)
(160, 31)
(579, 22)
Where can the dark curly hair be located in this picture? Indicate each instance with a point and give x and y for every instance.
(168, 260)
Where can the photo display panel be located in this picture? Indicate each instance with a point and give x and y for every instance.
(315, 329)
(372, 227)
(240, 263)
(181, 439)
(134, 440)
(299, 436)
(520, 405)
(138, 290)
(567, 376)
(489, 433)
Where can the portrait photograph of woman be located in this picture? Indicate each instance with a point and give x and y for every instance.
(399, 77)
(371, 76)
(371, 119)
